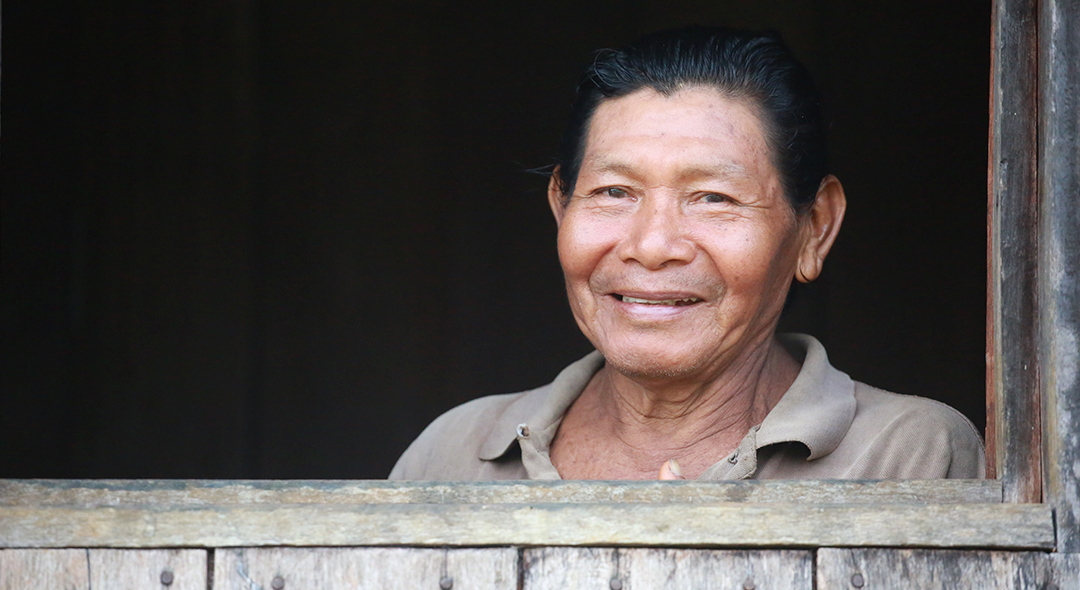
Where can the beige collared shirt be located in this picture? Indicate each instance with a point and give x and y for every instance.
(826, 426)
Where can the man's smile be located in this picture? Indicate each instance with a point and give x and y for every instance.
(674, 302)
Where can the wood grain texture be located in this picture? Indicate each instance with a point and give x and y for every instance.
(102, 569)
(571, 568)
(23, 569)
(1013, 340)
(885, 569)
(87, 493)
(135, 569)
(649, 525)
(1064, 570)
(1059, 260)
(365, 568)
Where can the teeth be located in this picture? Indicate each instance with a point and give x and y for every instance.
(660, 301)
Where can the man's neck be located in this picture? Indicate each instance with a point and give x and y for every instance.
(637, 427)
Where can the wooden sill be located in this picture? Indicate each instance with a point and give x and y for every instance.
(180, 513)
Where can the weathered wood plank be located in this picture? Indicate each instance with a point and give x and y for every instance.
(884, 569)
(570, 568)
(1014, 403)
(1059, 260)
(103, 569)
(365, 568)
(23, 569)
(658, 525)
(1064, 570)
(226, 492)
(119, 569)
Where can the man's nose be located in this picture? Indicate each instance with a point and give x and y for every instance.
(657, 235)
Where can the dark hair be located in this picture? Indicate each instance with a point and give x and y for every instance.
(757, 67)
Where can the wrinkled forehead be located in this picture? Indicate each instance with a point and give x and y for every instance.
(700, 130)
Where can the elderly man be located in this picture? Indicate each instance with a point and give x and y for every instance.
(691, 190)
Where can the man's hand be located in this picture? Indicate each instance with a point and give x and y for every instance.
(671, 470)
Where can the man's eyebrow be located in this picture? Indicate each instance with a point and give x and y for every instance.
(604, 165)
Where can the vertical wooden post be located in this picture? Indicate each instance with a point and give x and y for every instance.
(1059, 260)
(1012, 351)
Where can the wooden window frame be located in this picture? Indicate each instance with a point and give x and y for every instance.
(1033, 255)
(1033, 411)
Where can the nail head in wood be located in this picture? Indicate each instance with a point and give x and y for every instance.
(857, 581)
(278, 583)
(616, 584)
(166, 577)
(748, 584)
(446, 582)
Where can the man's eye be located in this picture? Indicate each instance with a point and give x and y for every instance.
(615, 192)
(716, 198)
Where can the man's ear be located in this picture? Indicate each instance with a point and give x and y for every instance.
(822, 225)
(555, 197)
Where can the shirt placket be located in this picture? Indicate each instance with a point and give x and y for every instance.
(740, 464)
(534, 453)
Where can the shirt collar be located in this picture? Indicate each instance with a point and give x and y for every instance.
(541, 410)
(816, 410)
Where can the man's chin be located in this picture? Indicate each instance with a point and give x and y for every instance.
(646, 366)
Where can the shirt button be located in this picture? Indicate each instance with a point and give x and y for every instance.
(523, 430)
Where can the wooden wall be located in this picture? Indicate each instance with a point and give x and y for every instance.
(274, 239)
(534, 568)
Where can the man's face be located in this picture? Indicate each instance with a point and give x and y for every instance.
(678, 244)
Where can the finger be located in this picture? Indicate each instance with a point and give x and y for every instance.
(671, 470)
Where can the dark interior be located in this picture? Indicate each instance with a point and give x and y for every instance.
(269, 239)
